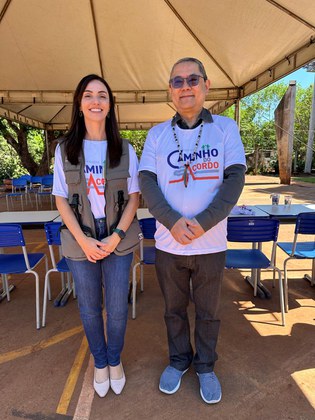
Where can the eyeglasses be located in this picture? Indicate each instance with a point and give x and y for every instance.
(192, 80)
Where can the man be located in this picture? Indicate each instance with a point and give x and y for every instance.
(192, 173)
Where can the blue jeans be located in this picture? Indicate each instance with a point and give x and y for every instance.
(174, 273)
(113, 274)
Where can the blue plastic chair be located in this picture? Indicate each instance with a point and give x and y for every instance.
(19, 189)
(305, 225)
(146, 257)
(52, 231)
(45, 190)
(11, 235)
(27, 177)
(254, 231)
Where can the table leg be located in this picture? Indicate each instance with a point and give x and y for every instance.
(64, 294)
(311, 278)
(261, 291)
(3, 292)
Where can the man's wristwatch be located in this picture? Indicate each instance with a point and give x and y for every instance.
(120, 233)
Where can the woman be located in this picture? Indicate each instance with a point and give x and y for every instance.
(92, 138)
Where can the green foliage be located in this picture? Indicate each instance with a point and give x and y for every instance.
(258, 126)
(10, 161)
(10, 164)
(229, 112)
(310, 179)
(136, 138)
(36, 144)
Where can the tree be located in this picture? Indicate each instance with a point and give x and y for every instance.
(136, 138)
(258, 127)
(26, 147)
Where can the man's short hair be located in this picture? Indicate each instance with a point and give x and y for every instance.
(193, 60)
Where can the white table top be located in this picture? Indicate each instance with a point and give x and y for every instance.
(286, 211)
(28, 217)
(256, 212)
(143, 213)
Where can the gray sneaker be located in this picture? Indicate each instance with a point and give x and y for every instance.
(170, 380)
(210, 388)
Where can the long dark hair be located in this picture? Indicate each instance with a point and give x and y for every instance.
(74, 137)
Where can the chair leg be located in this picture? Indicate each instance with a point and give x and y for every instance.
(141, 278)
(49, 290)
(255, 279)
(73, 290)
(6, 287)
(37, 297)
(281, 297)
(274, 271)
(286, 288)
(134, 290)
(47, 282)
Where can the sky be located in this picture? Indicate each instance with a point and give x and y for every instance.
(301, 76)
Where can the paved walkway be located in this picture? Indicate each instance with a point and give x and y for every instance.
(267, 371)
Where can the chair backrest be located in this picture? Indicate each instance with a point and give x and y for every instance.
(11, 234)
(36, 179)
(305, 224)
(252, 230)
(148, 227)
(27, 177)
(52, 231)
(47, 181)
(19, 182)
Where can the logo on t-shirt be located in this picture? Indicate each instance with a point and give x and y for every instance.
(94, 178)
(203, 164)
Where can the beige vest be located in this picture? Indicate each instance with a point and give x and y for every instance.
(116, 189)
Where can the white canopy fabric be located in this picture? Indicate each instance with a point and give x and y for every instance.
(47, 46)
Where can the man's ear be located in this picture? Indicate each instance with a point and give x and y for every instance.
(207, 83)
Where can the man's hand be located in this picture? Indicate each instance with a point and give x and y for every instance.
(181, 233)
(195, 227)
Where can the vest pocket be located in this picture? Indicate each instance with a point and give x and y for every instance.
(132, 239)
(69, 246)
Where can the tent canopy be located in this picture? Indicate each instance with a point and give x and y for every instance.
(48, 46)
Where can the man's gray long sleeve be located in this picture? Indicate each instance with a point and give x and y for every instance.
(158, 205)
(218, 209)
(226, 198)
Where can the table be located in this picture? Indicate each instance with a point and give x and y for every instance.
(256, 212)
(143, 213)
(286, 214)
(25, 218)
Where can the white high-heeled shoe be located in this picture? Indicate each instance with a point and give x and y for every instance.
(101, 388)
(117, 385)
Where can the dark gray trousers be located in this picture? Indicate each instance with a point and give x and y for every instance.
(206, 272)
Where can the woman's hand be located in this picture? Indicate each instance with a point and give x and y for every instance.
(110, 243)
(93, 249)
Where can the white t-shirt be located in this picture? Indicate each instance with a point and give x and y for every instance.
(220, 146)
(94, 155)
